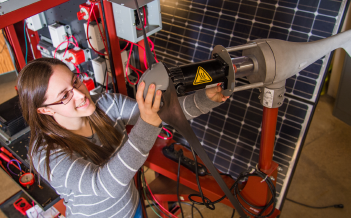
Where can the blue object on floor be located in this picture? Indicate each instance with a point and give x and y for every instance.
(139, 212)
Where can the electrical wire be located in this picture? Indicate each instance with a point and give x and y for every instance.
(125, 47)
(18, 164)
(153, 197)
(180, 205)
(102, 37)
(256, 173)
(88, 38)
(314, 207)
(25, 41)
(169, 134)
(147, 199)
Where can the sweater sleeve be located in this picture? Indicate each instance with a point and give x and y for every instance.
(110, 180)
(118, 106)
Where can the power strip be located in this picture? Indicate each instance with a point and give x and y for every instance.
(174, 155)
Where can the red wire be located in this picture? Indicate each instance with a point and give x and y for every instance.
(125, 47)
(61, 44)
(77, 69)
(103, 39)
(91, 11)
(152, 195)
(166, 138)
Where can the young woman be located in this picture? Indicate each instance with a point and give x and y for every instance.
(79, 142)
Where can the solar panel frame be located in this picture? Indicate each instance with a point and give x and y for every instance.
(183, 41)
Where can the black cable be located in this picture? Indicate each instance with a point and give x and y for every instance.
(205, 201)
(233, 213)
(180, 205)
(192, 207)
(114, 79)
(335, 205)
(270, 185)
(104, 80)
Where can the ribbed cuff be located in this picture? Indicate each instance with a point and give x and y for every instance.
(144, 135)
(203, 103)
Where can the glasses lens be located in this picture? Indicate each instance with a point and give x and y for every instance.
(78, 81)
(67, 97)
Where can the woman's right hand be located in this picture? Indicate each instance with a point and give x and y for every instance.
(148, 111)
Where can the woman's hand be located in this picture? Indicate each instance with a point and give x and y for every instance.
(148, 111)
(215, 94)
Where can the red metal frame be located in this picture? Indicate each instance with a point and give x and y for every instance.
(28, 11)
(115, 47)
(34, 40)
(255, 191)
(269, 124)
(13, 39)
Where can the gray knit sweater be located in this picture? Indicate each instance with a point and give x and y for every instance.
(89, 190)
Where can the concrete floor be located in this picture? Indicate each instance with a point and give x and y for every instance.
(322, 176)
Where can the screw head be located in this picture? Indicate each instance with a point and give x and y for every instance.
(280, 96)
(272, 178)
(259, 97)
(279, 103)
(280, 169)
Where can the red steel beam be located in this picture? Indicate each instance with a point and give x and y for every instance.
(28, 11)
(269, 124)
(13, 39)
(115, 48)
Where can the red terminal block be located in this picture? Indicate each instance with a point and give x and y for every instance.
(76, 56)
(89, 83)
(84, 10)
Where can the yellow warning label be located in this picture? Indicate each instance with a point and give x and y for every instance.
(201, 76)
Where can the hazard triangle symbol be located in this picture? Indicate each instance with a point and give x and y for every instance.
(202, 76)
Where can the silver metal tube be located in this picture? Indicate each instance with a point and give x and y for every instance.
(248, 86)
(241, 47)
(244, 66)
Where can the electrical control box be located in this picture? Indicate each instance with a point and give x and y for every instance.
(127, 22)
(59, 55)
(94, 35)
(60, 33)
(78, 56)
(84, 10)
(36, 22)
(99, 66)
(46, 49)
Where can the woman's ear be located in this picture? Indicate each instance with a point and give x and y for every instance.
(47, 111)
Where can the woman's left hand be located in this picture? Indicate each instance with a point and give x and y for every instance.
(215, 94)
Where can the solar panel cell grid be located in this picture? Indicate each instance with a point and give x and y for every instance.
(230, 134)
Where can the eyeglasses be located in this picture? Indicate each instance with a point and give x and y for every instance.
(68, 95)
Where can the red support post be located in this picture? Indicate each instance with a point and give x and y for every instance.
(269, 125)
(115, 48)
(34, 40)
(13, 39)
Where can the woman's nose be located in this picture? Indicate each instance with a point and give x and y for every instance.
(78, 93)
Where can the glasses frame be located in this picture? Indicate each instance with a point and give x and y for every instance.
(79, 77)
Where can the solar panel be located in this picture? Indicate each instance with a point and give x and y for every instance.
(231, 133)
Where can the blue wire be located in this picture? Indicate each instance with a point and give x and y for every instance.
(18, 164)
(25, 40)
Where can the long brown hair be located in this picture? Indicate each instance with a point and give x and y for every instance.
(46, 134)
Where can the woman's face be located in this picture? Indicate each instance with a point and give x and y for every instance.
(60, 82)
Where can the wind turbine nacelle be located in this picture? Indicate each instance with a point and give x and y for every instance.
(278, 60)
